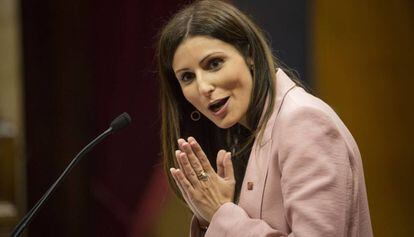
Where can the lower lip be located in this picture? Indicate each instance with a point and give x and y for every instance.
(222, 112)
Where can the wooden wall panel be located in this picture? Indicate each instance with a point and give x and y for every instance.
(363, 67)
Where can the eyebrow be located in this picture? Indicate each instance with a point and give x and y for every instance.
(201, 61)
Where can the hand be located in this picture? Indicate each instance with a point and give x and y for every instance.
(204, 196)
(201, 220)
(220, 170)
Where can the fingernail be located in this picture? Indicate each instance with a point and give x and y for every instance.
(172, 170)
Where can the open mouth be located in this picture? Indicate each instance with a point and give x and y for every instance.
(217, 105)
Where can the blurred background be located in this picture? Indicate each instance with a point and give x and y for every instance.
(67, 68)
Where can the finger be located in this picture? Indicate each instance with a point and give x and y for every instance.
(180, 142)
(183, 181)
(177, 156)
(205, 163)
(188, 169)
(173, 172)
(219, 162)
(192, 158)
(228, 167)
(195, 163)
(174, 175)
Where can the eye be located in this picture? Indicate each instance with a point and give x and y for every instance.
(186, 77)
(215, 63)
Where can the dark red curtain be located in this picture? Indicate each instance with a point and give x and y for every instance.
(85, 62)
(124, 36)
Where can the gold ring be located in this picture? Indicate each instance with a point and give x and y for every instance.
(203, 176)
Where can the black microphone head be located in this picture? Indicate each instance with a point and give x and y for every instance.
(120, 122)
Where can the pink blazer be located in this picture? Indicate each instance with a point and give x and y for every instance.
(303, 179)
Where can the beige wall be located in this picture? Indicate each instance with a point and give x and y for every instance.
(10, 59)
(363, 67)
(11, 113)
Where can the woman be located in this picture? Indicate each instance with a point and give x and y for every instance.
(286, 165)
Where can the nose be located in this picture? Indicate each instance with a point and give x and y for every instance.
(205, 85)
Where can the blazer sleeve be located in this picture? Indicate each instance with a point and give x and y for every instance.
(316, 182)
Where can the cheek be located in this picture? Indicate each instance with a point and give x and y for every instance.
(191, 96)
(236, 77)
(229, 80)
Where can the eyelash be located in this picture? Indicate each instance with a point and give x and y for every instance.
(214, 60)
(183, 77)
(209, 66)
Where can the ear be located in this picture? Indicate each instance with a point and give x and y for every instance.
(249, 61)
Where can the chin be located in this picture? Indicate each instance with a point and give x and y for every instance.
(224, 124)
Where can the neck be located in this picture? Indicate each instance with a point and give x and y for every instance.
(243, 122)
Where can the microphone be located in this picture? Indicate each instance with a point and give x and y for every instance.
(117, 124)
(120, 122)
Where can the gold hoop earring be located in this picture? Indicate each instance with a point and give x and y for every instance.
(195, 115)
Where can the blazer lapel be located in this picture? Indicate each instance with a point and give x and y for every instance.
(251, 196)
(283, 85)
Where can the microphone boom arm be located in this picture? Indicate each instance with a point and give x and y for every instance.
(121, 121)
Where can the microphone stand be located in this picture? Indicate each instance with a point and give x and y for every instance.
(118, 123)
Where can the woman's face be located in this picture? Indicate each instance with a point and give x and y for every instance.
(214, 78)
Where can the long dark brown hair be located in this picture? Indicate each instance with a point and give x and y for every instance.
(219, 20)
